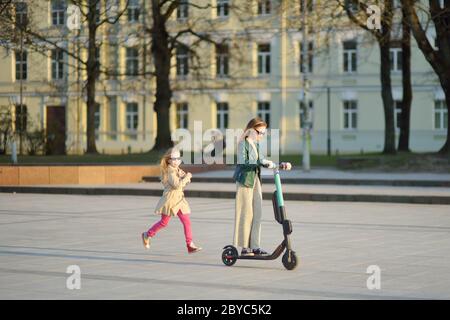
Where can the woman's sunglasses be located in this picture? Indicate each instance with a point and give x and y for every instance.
(260, 133)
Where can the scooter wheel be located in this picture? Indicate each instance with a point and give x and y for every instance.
(229, 256)
(289, 260)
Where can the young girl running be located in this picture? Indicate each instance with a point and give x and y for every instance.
(172, 202)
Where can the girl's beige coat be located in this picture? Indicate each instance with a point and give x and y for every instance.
(173, 199)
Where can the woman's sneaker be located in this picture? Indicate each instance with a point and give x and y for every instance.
(192, 248)
(259, 251)
(146, 240)
(246, 252)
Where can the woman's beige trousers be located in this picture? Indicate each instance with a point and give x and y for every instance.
(247, 227)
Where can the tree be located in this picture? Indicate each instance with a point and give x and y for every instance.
(437, 56)
(93, 14)
(405, 116)
(166, 39)
(383, 38)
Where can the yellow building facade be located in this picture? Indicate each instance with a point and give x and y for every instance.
(256, 70)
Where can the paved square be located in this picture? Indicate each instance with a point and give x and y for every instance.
(41, 235)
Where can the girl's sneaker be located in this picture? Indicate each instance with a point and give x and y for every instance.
(146, 240)
(192, 248)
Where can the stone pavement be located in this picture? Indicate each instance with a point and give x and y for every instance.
(41, 235)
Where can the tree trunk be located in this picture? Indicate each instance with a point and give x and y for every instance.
(446, 86)
(403, 142)
(92, 71)
(161, 55)
(439, 58)
(386, 94)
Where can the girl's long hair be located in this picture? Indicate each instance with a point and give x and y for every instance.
(252, 124)
(164, 164)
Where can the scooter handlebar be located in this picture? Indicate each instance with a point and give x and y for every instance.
(285, 166)
(281, 166)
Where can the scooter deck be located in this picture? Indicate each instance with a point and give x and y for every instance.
(278, 251)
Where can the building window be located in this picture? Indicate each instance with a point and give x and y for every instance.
(264, 111)
(112, 118)
(182, 116)
(133, 11)
(352, 5)
(350, 58)
(97, 11)
(132, 119)
(222, 56)
(398, 114)
(97, 120)
(132, 61)
(264, 7)
(303, 113)
(21, 115)
(309, 5)
(58, 12)
(396, 58)
(223, 7)
(440, 115)
(183, 10)
(263, 59)
(21, 65)
(350, 115)
(113, 57)
(309, 58)
(97, 60)
(182, 60)
(21, 13)
(57, 64)
(222, 115)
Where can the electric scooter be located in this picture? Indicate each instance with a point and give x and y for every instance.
(230, 253)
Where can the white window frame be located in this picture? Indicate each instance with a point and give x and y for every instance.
(394, 54)
(348, 56)
(21, 65)
(264, 59)
(132, 119)
(182, 62)
(182, 115)
(112, 118)
(440, 110)
(351, 114)
(264, 7)
(132, 62)
(21, 8)
(58, 11)
(354, 6)
(302, 112)
(223, 8)
(183, 10)
(309, 57)
(223, 115)
(222, 62)
(97, 121)
(397, 113)
(57, 64)
(133, 11)
(263, 111)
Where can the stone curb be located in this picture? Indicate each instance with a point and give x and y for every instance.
(442, 200)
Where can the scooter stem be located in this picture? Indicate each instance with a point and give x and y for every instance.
(277, 178)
